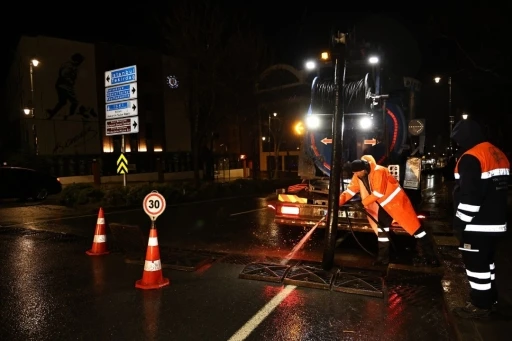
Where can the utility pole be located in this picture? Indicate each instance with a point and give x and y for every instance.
(339, 57)
(450, 112)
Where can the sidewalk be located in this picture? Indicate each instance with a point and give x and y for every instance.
(438, 204)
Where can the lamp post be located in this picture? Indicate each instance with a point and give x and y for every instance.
(30, 109)
(450, 116)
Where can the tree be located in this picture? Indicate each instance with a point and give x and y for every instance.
(223, 56)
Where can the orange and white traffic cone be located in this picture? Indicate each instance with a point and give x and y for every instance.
(152, 276)
(99, 243)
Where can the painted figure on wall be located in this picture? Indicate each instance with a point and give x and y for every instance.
(65, 87)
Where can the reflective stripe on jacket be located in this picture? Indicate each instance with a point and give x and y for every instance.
(480, 198)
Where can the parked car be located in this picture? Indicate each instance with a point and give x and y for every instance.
(24, 183)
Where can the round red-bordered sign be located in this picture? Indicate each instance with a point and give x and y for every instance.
(154, 205)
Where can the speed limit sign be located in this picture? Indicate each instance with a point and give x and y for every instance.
(154, 205)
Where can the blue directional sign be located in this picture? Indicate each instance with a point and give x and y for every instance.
(121, 109)
(121, 92)
(121, 76)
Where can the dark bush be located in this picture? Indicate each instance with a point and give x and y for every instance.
(82, 194)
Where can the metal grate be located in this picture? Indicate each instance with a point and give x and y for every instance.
(308, 274)
(359, 283)
(417, 295)
(399, 273)
(264, 272)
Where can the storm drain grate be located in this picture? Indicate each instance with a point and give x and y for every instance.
(359, 283)
(416, 295)
(239, 259)
(398, 273)
(308, 274)
(264, 272)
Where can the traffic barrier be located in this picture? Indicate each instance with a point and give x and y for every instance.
(152, 276)
(99, 243)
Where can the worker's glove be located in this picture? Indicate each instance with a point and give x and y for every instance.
(358, 205)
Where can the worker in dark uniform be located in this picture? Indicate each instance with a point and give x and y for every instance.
(480, 199)
(379, 188)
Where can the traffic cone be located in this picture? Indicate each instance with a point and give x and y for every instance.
(152, 276)
(99, 243)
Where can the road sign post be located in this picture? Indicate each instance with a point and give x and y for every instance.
(154, 205)
(121, 107)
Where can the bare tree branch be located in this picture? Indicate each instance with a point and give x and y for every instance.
(469, 58)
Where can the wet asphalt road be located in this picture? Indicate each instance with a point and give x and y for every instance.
(52, 291)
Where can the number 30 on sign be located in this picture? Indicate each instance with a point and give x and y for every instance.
(154, 205)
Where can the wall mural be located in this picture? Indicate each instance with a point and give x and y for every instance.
(65, 96)
(65, 88)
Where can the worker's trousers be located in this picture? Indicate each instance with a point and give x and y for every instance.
(385, 222)
(478, 254)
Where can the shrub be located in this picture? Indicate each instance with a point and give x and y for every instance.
(81, 194)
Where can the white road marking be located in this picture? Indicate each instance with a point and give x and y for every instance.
(262, 314)
(245, 212)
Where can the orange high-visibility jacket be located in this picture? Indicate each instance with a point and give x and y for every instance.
(356, 186)
(386, 191)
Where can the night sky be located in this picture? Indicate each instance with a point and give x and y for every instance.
(472, 45)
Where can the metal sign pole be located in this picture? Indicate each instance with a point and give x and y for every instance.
(122, 151)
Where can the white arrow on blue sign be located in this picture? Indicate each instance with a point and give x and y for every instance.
(121, 92)
(121, 76)
(121, 109)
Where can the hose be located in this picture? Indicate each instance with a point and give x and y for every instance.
(353, 234)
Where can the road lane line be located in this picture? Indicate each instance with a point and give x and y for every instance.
(245, 212)
(262, 314)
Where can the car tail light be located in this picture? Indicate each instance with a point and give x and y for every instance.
(294, 210)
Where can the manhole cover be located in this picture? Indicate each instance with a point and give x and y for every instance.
(309, 275)
(240, 259)
(264, 272)
(359, 283)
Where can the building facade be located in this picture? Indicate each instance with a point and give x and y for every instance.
(283, 99)
(55, 106)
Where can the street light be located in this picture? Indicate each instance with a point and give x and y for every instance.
(437, 79)
(465, 116)
(33, 63)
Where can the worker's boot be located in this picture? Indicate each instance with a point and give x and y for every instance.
(383, 244)
(425, 248)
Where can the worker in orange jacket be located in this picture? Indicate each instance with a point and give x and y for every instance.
(381, 193)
